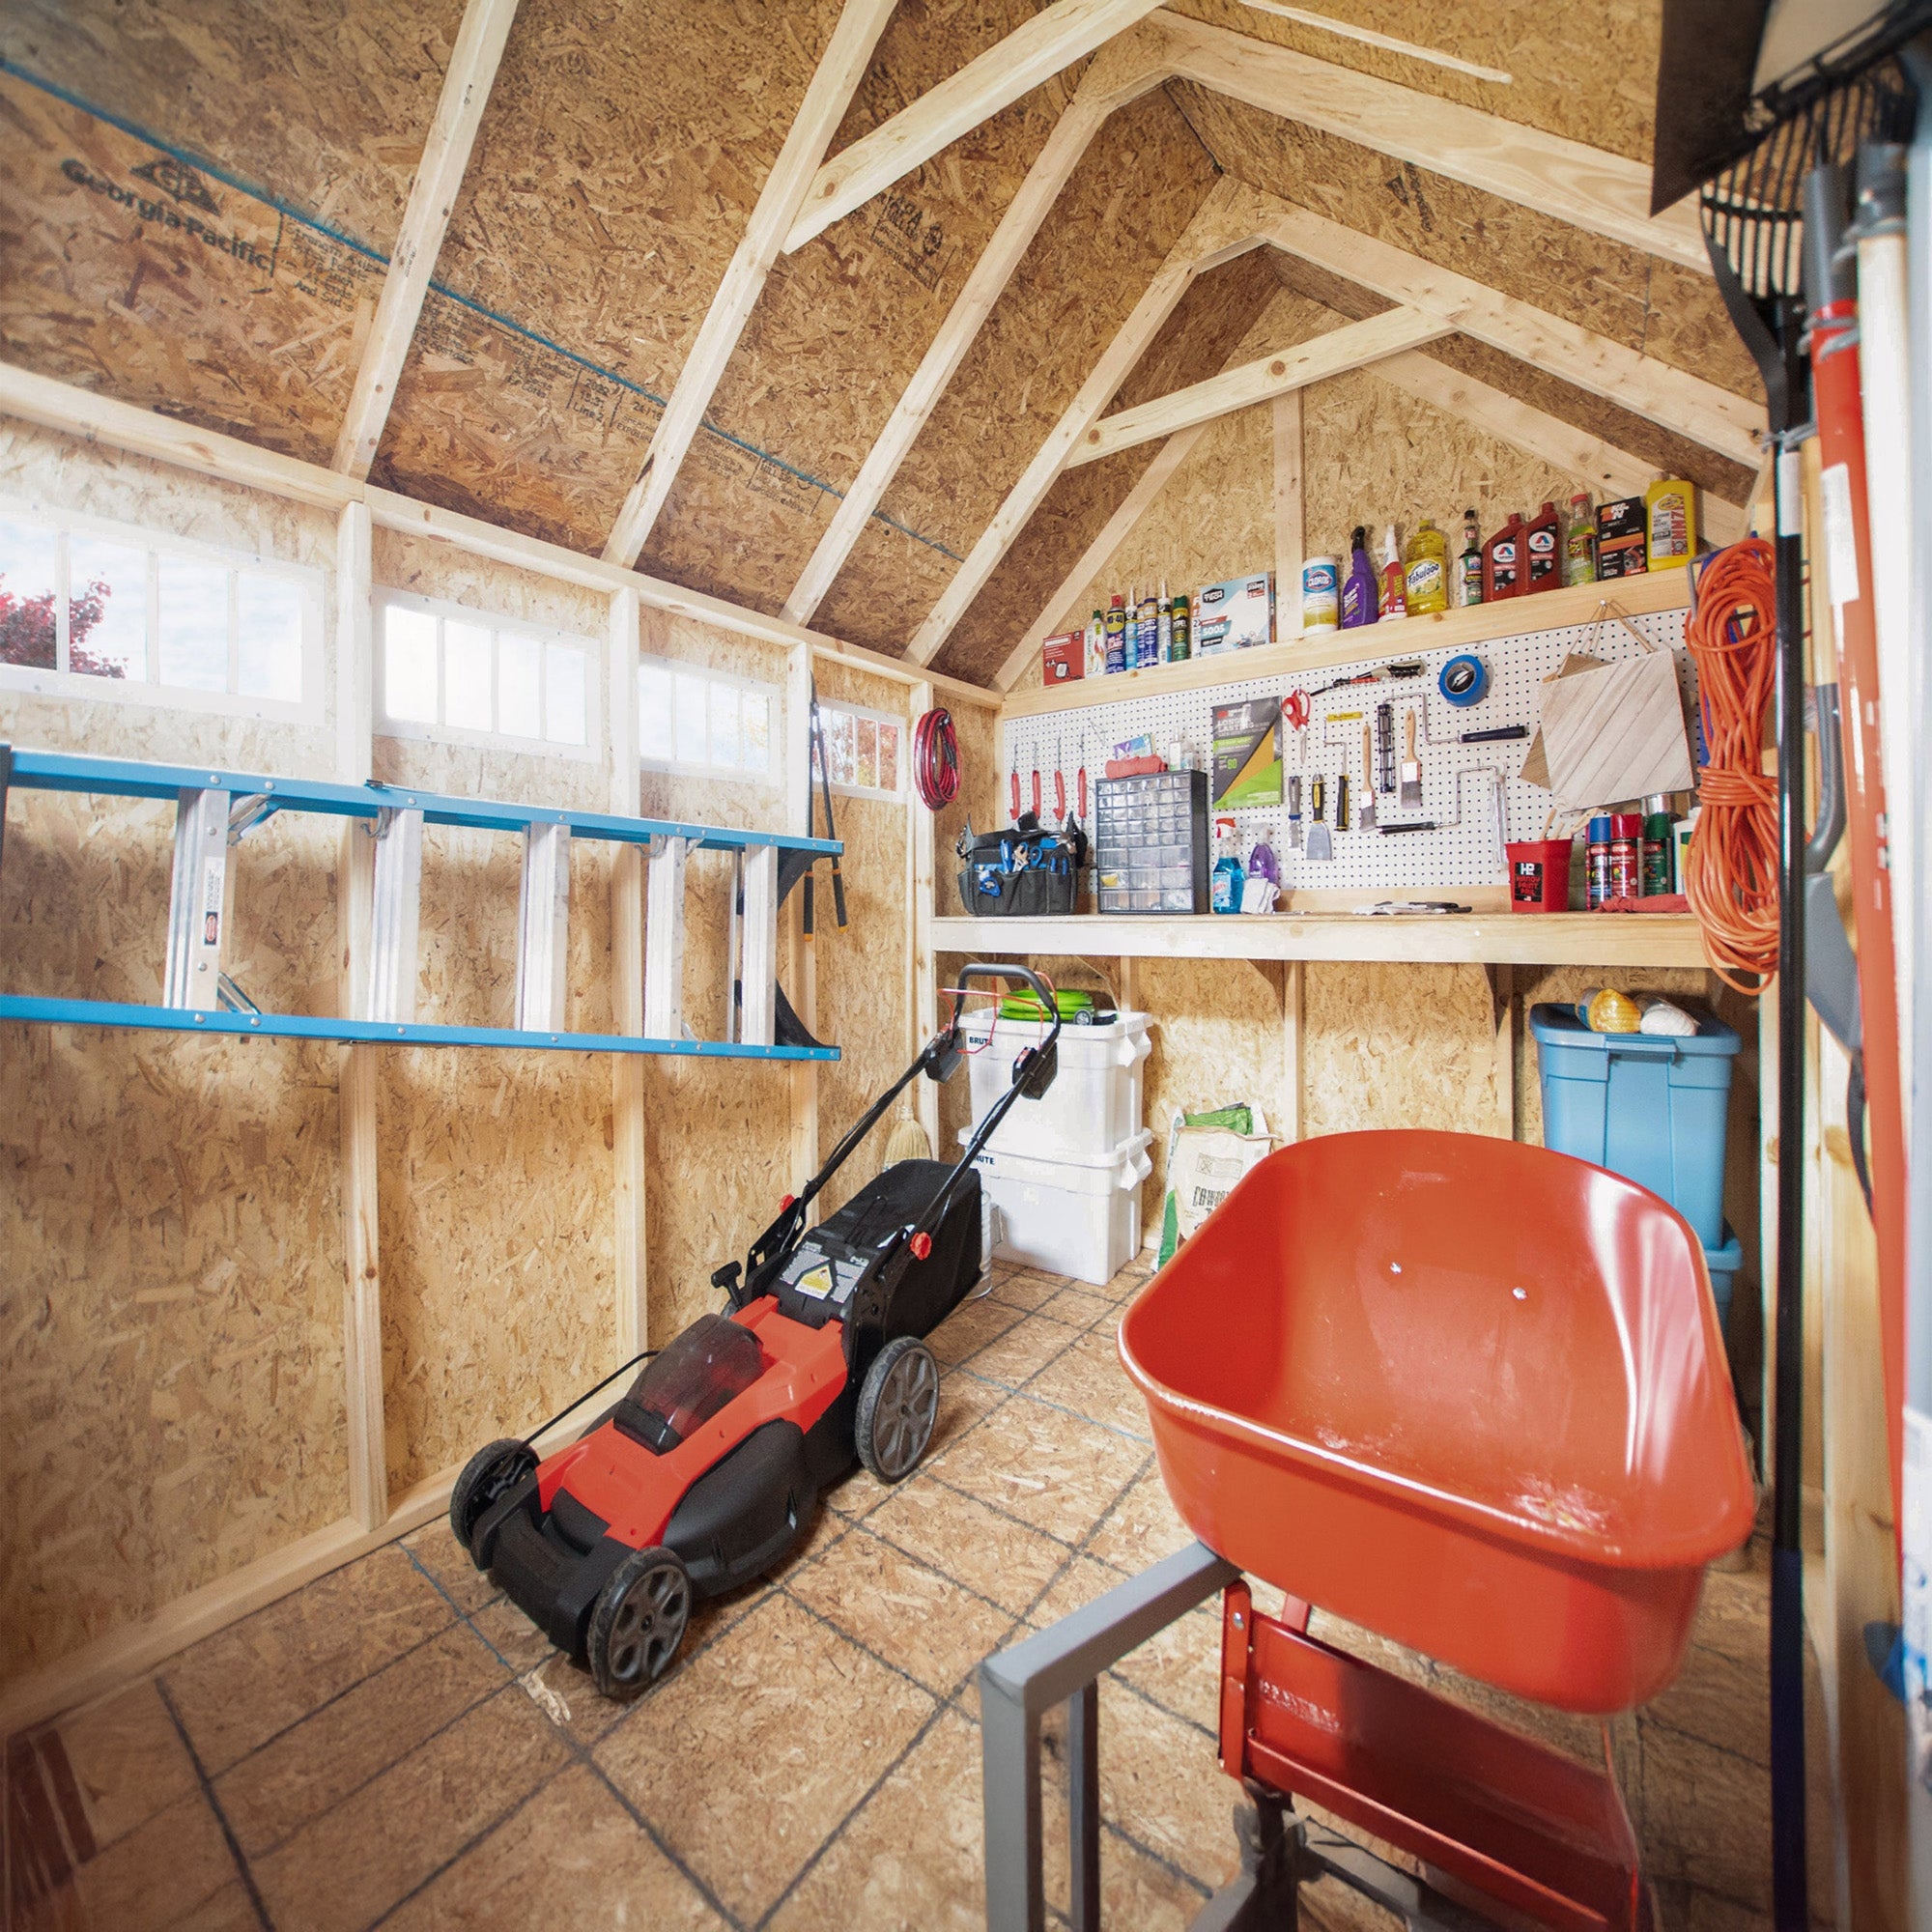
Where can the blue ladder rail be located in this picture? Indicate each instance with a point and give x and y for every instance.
(128, 778)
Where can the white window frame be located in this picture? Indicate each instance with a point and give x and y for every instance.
(591, 752)
(825, 707)
(149, 689)
(770, 778)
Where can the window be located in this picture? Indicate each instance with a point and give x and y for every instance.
(866, 750)
(99, 610)
(706, 722)
(465, 677)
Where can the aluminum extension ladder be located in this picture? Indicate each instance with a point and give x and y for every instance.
(213, 810)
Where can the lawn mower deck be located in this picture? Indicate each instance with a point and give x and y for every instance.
(709, 1468)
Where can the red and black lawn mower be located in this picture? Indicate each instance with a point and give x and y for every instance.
(708, 1470)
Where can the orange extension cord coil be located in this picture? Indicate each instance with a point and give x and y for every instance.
(1731, 872)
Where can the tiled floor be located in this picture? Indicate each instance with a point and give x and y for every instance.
(396, 1745)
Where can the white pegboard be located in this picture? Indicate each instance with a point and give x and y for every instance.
(1455, 788)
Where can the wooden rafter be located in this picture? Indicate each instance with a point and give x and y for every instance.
(1121, 72)
(1051, 41)
(826, 100)
(1600, 192)
(446, 155)
(1353, 346)
(1228, 222)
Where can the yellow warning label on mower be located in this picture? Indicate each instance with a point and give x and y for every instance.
(815, 1281)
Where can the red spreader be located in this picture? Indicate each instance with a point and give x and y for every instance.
(1470, 1395)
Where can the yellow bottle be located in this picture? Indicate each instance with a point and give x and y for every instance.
(1426, 566)
(1670, 523)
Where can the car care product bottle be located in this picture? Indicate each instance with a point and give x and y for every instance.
(1656, 849)
(1181, 631)
(1542, 542)
(1626, 829)
(1163, 637)
(1395, 600)
(1502, 561)
(1470, 563)
(1358, 593)
(1597, 872)
(1579, 540)
(1147, 634)
(1117, 634)
(1426, 570)
(1670, 523)
(1229, 879)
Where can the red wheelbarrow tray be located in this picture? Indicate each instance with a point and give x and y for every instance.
(1465, 1393)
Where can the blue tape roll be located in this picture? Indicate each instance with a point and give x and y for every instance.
(1464, 680)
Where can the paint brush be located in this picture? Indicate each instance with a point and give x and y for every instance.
(1408, 795)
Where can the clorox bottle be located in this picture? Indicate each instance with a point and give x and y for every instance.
(1230, 881)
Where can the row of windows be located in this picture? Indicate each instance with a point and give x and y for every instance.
(96, 610)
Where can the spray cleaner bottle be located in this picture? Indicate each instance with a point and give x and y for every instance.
(1395, 596)
(1358, 593)
(1230, 881)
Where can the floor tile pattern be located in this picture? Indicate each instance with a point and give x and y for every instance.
(396, 1745)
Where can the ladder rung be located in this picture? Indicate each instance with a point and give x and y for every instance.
(195, 902)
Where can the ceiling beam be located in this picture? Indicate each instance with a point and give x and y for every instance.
(1049, 43)
(1668, 396)
(1601, 192)
(839, 71)
(1122, 71)
(1228, 222)
(1351, 347)
(445, 157)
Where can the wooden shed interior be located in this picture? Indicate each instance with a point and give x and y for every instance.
(779, 347)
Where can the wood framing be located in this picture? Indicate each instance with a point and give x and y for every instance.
(629, 1128)
(922, 984)
(97, 419)
(836, 79)
(803, 975)
(1679, 401)
(1063, 607)
(1351, 347)
(1289, 520)
(1225, 225)
(357, 1068)
(1120, 72)
(1603, 193)
(1052, 41)
(446, 155)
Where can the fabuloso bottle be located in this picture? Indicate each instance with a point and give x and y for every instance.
(1470, 572)
(1426, 567)
(1395, 598)
(1358, 593)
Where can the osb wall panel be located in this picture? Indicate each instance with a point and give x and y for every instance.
(406, 562)
(1214, 516)
(1122, 210)
(172, 1382)
(1206, 324)
(618, 161)
(1590, 75)
(1623, 293)
(981, 799)
(841, 325)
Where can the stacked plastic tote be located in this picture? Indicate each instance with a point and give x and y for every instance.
(1063, 1175)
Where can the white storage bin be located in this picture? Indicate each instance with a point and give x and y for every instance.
(1094, 1101)
(1083, 1221)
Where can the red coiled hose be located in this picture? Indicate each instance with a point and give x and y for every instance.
(1731, 875)
(935, 760)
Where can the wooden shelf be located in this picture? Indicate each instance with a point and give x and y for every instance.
(1316, 651)
(1508, 939)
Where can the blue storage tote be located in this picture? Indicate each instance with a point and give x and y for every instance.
(1643, 1104)
(1722, 1264)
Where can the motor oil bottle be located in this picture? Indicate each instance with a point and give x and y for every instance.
(1358, 593)
(1181, 631)
(1426, 570)
(1117, 634)
(1146, 633)
(1543, 544)
(1579, 540)
(1670, 523)
(1230, 881)
(1502, 561)
(1395, 598)
(1163, 636)
(1470, 564)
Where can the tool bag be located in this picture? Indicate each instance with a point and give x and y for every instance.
(1024, 869)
